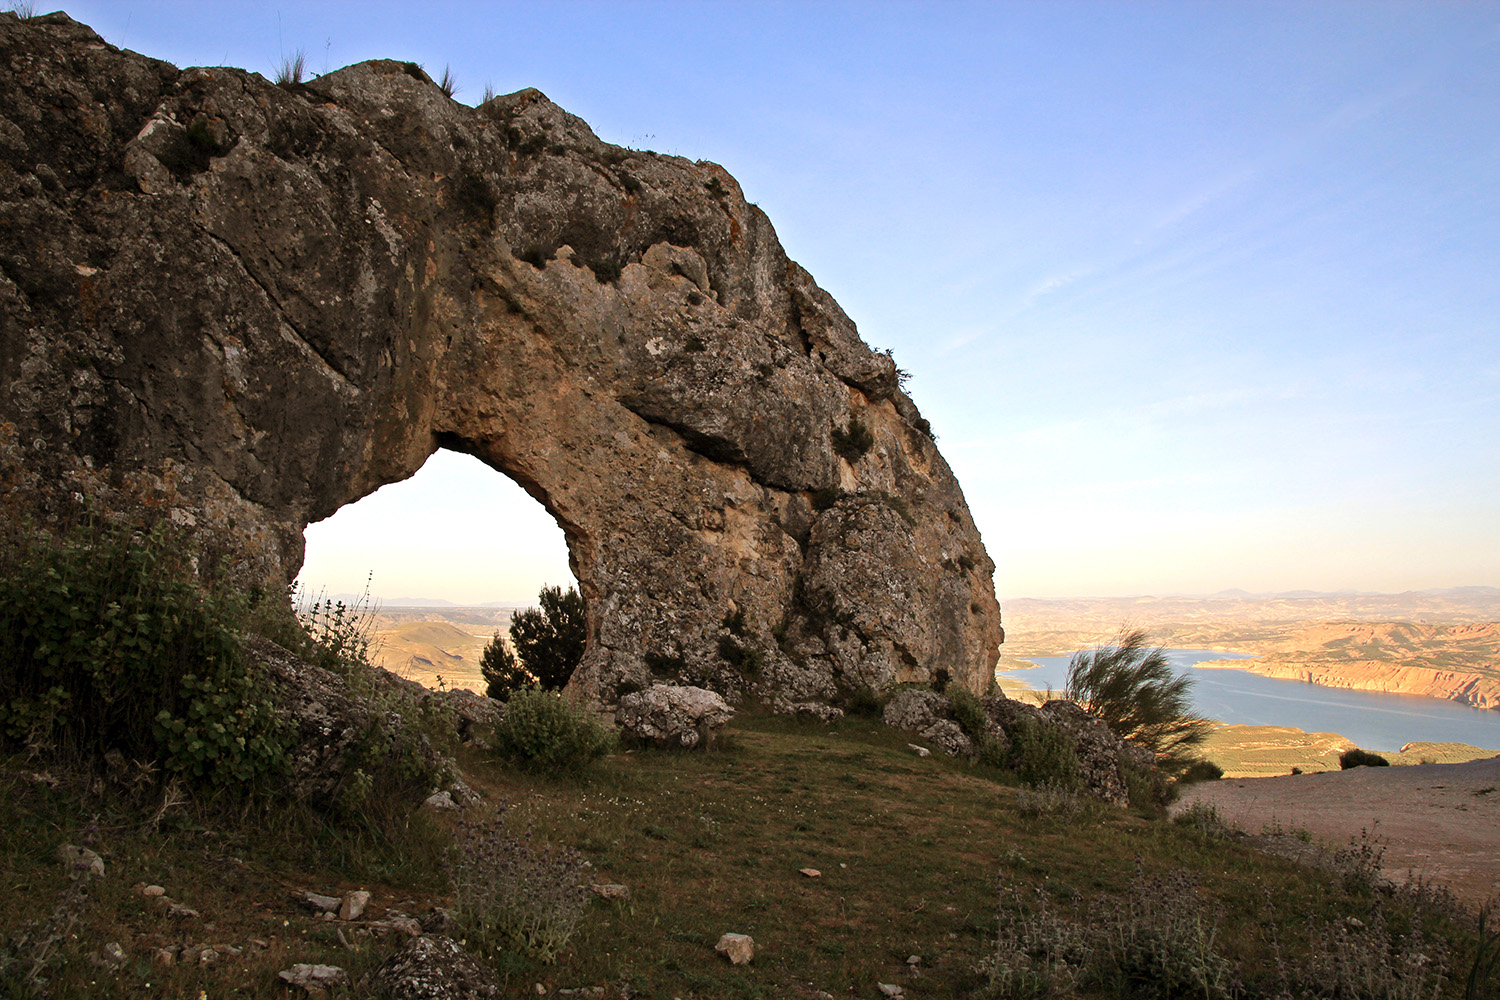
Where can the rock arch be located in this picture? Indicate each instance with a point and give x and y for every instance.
(253, 304)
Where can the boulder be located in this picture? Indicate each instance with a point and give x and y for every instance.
(241, 306)
(673, 716)
(915, 709)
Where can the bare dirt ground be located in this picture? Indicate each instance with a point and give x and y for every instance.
(1440, 821)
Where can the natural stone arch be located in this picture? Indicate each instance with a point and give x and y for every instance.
(254, 304)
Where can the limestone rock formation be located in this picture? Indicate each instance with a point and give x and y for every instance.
(673, 716)
(243, 306)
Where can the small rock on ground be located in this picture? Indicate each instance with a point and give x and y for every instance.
(738, 948)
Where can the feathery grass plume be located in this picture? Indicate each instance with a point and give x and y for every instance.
(448, 84)
(23, 9)
(292, 69)
(1131, 686)
(489, 93)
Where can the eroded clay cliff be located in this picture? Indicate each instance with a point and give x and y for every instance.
(249, 305)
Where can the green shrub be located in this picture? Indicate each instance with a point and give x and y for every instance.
(969, 712)
(549, 641)
(1134, 689)
(1042, 753)
(1355, 757)
(865, 701)
(853, 441)
(1201, 770)
(111, 643)
(547, 732)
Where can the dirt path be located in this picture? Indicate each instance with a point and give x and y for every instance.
(1441, 821)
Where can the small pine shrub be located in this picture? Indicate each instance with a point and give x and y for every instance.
(503, 673)
(544, 731)
(1356, 757)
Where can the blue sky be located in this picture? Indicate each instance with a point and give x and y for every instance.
(1195, 295)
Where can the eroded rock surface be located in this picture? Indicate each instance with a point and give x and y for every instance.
(245, 306)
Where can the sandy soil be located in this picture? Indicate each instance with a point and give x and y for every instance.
(1441, 821)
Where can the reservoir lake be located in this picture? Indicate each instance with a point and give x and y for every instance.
(1373, 721)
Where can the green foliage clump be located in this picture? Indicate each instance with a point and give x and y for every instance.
(865, 701)
(1043, 753)
(1201, 770)
(853, 441)
(969, 712)
(1355, 757)
(511, 896)
(545, 731)
(548, 644)
(110, 643)
(1132, 687)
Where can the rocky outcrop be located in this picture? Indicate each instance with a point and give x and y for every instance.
(670, 716)
(243, 306)
(1104, 760)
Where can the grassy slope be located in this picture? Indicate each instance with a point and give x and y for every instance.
(909, 851)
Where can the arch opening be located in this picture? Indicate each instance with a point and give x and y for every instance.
(443, 559)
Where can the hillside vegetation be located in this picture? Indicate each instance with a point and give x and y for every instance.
(910, 852)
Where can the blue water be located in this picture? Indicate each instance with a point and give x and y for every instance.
(1373, 721)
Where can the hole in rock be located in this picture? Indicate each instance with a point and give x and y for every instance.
(447, 555)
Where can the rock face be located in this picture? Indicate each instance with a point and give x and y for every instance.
(244, 306)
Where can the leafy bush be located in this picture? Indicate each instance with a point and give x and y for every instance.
(509, 895)
(549, 642)
(545, 731)
(1043, 753)
(1133, 688)
(1356, 757)
(969, 712)
(864, 701)
(111, 643)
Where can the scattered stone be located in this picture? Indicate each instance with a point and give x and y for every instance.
(317, 902)
(673, 716)
(208, 956)
(610, 890)
(314, 977)
(891, 989)
(80, 859)
(811, 872)
(111, 956)
(353, 906)
(738, 948)
(152, 891)
(921, 751)
(582, 993)
(178, 911)
(821, 711)
(439, 920)
(823, 995)
(165, 958)
(399, 923)
(914, 960)
(441, 802)
(541, 990)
